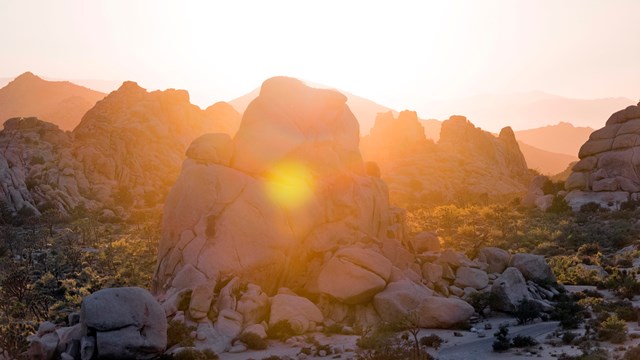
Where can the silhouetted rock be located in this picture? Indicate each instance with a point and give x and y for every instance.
(466, 162)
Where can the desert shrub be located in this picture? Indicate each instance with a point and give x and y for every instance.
(527, 311)
(552, 188)
(432, 341)
(253, 341)
(568, 337)
(612, 329)
(629, 205)
(332, 329)
(384, 344)
(632, 354)
(591, 207)
(502, 341)
(179, 334)
(13, 337)
(623, 283)
(281, 330)
(481, 301)
(520, 341)
(569, 312)
(191, 354)
(559, 206)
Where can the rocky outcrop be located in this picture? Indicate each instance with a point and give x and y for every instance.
(393, 137)
(466, 161)
(608, 170)
(59, 102)
(293, 191)
(38, 172)
(125, 153)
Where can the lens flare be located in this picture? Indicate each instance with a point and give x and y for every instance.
(289, 184)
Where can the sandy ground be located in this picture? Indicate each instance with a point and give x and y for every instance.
(470, 346)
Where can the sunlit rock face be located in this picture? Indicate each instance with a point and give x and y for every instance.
(608, 172)
(293, 193)
(132, 142)
(126, 153)
(467, 161)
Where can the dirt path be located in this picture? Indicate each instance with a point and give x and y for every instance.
(481, 348)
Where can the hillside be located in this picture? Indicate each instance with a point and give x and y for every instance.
(563, 138)
(546, 162)
(59, 102)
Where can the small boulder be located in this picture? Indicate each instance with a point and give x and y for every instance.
(470, 277)
(533, 267)
(425, 241)
(300, 312)
(353, 275)
(128, 323)
(496, 259)
(509, 289)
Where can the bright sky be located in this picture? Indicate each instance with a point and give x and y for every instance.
(397, 53)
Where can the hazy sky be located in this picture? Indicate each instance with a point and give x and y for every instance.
(397, 53)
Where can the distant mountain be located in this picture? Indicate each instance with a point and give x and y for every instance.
(59, 102)
(563, 138)
(528, 109)
(546, 162)
(365, 110)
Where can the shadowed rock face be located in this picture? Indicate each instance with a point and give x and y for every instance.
(609, 168)
(224, 221)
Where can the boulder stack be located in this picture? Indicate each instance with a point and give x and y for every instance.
(608, 172)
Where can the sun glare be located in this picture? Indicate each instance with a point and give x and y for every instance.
(289, 184)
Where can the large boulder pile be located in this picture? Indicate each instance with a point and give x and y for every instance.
(608, 170)
(465, 161)
(285, 222)
(125, 153)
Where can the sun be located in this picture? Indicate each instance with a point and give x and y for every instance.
(289, 184)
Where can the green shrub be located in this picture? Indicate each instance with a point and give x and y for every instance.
(613, 329)
(527, 311)
(569, 312)
(179, 334)
(520, 341)
(502, 341)
(568, 337)
(432, 341)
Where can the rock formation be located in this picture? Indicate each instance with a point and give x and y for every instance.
(126, 152)
(465, 161)
(59, 102)
(608, 170)
(285, 222)
(391, 137)
(37, 169)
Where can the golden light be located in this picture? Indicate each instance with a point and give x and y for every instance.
(289, 184)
